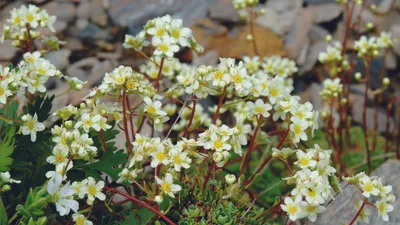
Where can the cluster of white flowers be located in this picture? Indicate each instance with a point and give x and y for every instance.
(167, 35)
(222, 139)
(24, 19)
(313, 188)
(31, 126)
(372, 189)
(332, 88)
(200, 117)
(334, 59)
(367, 48)
(65, 195)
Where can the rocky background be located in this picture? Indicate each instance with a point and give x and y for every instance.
(94, 31)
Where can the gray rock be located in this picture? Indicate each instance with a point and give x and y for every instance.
(278, 23)
(83, 10)
(98, 70)
(208, 58)
(315, 97)
(312, 56)
(395, 30)
(134, 14)
(298, 34)
(224, 11)
(59, 58)
(93, 32)
(64, 10)
(302, 57)
(317, 33)
(82, 68)
(7, 51)
(327, 12)
(97, 13)
(342, 211)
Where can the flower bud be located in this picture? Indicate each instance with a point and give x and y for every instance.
(328, 38)
(386, 81)
(82, 105)
(230, 178)
(68, 124)
(358, 76)
(369, 25)
(262, 11)
(372, 7)
(158, 199)
(343, 101)
(5, 188)
(275, 154)
(249, 37)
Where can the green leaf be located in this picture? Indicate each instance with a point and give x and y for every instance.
(108, 163)
(140, 217)
(10, 111)
(6, 149)
(41, 106)
(3, 213)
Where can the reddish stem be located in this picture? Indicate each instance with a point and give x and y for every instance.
(186, 133)
(365, 129)
(253, 35)
(130, 151)
(103, 140)
(131, 119)
(221, 99)
(251, 147)
(144, 204)
(358, 213)
(157, 83)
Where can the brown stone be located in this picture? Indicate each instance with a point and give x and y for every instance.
(234, 44)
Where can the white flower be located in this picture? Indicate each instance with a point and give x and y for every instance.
(88, 121)
(311, 210)
(369, 186)
(93, 190)
(60, 155)
(32, 57)
(80, 219)
(292, 208)
(4, 91)
(31, 126)
(180, 34)
(167, 186)
(159, 157)
(305, 159)
(179, 158)
(165, 47)
(383, 209)
(259, 108)
(62, 196)
(298, 128)
(153, 108)
(217, 143)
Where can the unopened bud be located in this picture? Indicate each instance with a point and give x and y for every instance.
(343, 101)
(262, 11)
(82, 105)
(386, 81)
(369, 25)
(68, 124)
(230, 178)
(372, 7)
(249, 37)
(358, 76)
(328, 38)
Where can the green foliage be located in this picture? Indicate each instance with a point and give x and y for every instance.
(139, 217)
(3, 213)
(108, 163)
(6, 149)
(41, 106)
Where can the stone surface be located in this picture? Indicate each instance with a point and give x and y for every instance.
(278, 23)
(312, 56)
(299, 32)
(395, 30)
(7, 51)
(342, 211)
(223, 10)
(97, 13)
(59, 58)
(67, 13)
(327, 12)
(317, 33)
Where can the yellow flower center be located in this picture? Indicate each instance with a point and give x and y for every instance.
(130, 84)
(368, 187)
(161, 156)
(151, 110)
(304, 161)
(31, 125)
(41, 71)
(92, 190)
(176, 33)
(16, 20)
(29, 17)
(166, 187)
(218, 144)
(160, 32)
(2, 91)
(80, 221)
(218, 75)
(312, 192)
(164, 47)
(292, 209)
(237, 78)
(297, 129)
(259, 109)
(177, 159)
(274, 92)
(60, 158)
